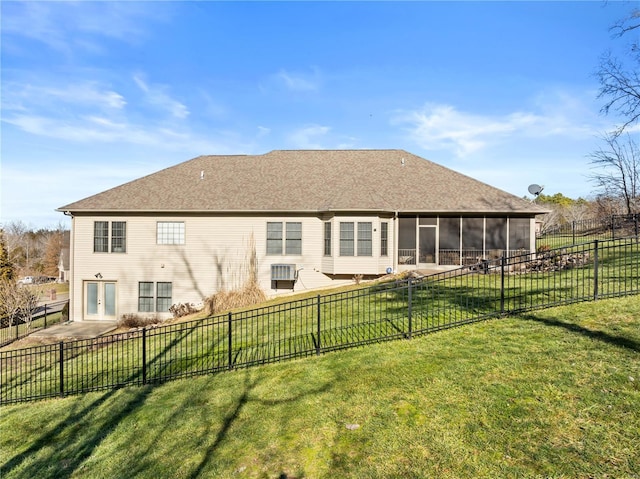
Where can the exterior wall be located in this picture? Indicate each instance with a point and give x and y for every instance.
(215, 256)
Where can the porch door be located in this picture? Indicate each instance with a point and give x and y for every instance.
(100, 300)
(427, 245)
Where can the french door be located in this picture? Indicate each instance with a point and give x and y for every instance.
(100, 300)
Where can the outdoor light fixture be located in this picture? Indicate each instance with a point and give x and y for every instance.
(99, 276)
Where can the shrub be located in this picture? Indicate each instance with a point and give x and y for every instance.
(132, 320)
(182, 309)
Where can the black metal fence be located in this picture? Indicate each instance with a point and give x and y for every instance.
(574, 232)
(43, 317)
(385, 311)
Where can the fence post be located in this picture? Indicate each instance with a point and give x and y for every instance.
(17, 322)
(595, 271)
(573, 232)
(318, 346)
(635, 224)
(409, 306)
(229, 342)
(502, 264)
(45, 316)
(613, 227)
(144, 355)
(61, 347)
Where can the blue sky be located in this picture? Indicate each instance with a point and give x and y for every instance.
(95, 94)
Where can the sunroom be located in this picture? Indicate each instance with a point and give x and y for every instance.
(457, 240)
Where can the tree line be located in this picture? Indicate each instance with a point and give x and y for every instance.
(31, 252)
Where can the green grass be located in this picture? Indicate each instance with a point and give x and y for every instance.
(553, 393)
(285, 330)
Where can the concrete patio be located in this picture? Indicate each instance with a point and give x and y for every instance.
(77, 330)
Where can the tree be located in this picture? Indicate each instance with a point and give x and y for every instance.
(7, 272)
(619, 164)
(619, 80)
(17, 302)
(53, 247)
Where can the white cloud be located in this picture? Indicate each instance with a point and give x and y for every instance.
(156, 95)
(307, 137)
(438, 126)
(299, 81)
(20, 96)
(70, 26)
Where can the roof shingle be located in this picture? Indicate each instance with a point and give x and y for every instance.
(306, 181)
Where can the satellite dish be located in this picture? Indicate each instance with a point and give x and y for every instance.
(535, 190)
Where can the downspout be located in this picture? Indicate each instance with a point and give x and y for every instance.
(72, 243)
(395, 242)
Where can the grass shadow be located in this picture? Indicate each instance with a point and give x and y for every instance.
(619, 341)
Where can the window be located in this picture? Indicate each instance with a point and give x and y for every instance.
(327, 239)
(145, 297)
(161, 302)
(346, 239)
(276, 240)
(365, 239)
(101, 237)
(118, 237)
(293, 243)
(384, 239)
(170, 232)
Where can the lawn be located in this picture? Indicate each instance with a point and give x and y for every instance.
(551, 393)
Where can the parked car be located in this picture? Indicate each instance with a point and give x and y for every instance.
(27, 280)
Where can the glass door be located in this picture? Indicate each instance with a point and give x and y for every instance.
(427, 245)
(100, 300)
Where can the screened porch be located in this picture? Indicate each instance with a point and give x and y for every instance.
(461, 240)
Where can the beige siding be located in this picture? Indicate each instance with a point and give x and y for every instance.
(215, 257)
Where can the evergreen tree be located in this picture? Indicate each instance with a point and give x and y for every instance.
(7, 271)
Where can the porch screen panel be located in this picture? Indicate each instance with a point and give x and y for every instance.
(472, 233)
(407, 233)
(450, 233)
(519, 233)
(496, 234)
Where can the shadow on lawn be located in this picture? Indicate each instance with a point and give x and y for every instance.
(245, 398)
(68, 441)
(63, 448)
(619, 341)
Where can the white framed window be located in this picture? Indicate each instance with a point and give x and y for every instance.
(384, 239)
(347, 247)
(363, 241)
(287, 238)
(154, 297)
(327, 238)
(170, 232)
(114, 243)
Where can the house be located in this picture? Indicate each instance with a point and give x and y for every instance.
(63, 261)
(295, 219)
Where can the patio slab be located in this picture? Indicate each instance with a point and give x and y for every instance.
(77, 330)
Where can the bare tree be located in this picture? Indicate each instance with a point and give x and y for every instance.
(620, 81)
(17, 302)
(619, 170)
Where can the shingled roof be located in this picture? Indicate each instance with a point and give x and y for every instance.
(306, 181)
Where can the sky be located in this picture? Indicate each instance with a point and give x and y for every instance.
(96, 94)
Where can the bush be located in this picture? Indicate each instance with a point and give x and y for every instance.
(183, 309)
(132, 320)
